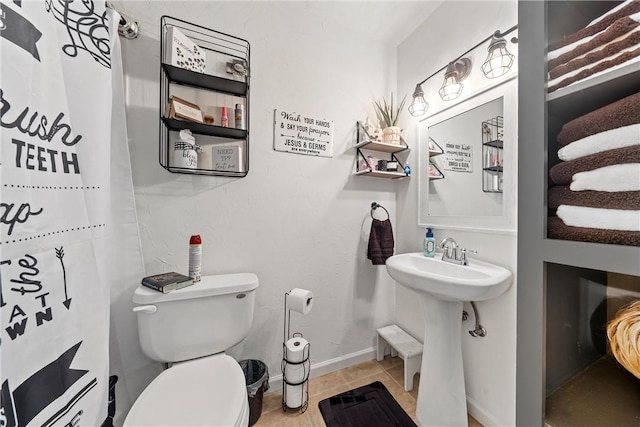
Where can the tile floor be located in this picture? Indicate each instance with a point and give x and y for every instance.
(389, 372)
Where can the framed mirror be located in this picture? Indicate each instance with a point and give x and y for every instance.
(467, 163)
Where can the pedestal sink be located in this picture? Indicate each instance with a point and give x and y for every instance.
(443, 287)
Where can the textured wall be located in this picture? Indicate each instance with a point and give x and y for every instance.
(295, 221)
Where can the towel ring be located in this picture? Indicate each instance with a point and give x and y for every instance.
(375, 206)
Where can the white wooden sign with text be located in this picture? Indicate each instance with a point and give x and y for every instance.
(300, 134)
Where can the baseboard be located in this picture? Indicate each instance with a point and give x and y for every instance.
(482, 416)
(328, 366)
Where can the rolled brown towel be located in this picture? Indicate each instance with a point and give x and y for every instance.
(609, 51)
(562, 195)
(601, 66)
(620, 113)
(556, 229)
(591, 30)
(619, 28)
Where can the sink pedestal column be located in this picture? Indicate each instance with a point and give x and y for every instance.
(441, 396)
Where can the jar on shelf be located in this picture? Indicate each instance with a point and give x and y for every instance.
(185, 154)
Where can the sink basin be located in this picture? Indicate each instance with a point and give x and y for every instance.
(443, 287)
(447, 281)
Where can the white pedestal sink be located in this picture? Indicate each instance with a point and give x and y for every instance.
(443, 287)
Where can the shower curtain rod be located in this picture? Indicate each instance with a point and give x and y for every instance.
(127, 27)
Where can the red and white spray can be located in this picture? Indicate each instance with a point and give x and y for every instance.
(195, 257)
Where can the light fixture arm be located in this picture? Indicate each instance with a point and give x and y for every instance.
(497, 34)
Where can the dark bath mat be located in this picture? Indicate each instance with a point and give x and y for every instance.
(368, 406)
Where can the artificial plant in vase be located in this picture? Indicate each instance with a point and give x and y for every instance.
(388, 115)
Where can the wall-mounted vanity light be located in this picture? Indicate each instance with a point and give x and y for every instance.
(419, 106)
(498, 62)
(456, 72)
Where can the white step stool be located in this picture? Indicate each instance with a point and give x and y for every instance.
(408, 348)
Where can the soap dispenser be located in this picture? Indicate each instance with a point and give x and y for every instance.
(429, 244)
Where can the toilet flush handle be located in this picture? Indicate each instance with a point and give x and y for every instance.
(146, 308)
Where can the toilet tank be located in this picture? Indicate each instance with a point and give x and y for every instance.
(206, 318)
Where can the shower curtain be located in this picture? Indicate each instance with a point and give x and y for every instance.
(55, 222)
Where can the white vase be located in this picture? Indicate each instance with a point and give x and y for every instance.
(392, 135)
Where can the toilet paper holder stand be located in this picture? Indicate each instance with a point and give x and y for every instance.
(286, 361)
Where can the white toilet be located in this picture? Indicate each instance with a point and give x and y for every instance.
(191, 328)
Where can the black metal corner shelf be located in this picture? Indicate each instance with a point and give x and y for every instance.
(216, 78)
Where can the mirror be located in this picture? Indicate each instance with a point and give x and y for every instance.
(467, 163)
(459, 171)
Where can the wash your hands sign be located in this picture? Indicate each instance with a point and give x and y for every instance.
(55, 90)
(300, 134)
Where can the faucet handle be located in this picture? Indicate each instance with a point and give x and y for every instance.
(463, 254)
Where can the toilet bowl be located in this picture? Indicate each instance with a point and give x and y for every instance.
(210, 391)
(191, 328)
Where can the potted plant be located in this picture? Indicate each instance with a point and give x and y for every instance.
(388, 116)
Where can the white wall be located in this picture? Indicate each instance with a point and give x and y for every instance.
(489, 362)
(295, 221)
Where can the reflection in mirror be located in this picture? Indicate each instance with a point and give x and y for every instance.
(467, 163)
(471, 163)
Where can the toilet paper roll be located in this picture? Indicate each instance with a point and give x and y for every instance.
(296, 395)
(295, 350)
(295, 373)
(300, 300)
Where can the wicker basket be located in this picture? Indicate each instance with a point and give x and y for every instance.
(624, 336)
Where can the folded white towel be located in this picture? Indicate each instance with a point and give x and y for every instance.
(605, 219)
(625, 136)
(613, 178)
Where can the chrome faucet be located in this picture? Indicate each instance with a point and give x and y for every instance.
(453, 252)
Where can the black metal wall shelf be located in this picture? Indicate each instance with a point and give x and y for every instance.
(204, 81)
(203, 129)
(492, 154)
(212, 77)
(497, 143)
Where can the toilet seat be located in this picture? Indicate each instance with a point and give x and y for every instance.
(209, 391)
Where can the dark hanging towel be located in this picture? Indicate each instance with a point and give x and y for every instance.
(380, 241)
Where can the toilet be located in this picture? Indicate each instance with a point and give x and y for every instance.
(190, 329)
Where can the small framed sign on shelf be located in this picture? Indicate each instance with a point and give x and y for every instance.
(181, 109)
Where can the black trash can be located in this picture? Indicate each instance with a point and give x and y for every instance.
(256, 376)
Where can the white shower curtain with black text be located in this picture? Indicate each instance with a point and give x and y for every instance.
(56, 106)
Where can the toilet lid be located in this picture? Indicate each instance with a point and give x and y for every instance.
(210, 391)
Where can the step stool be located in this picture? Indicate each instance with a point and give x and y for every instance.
(404, 345)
